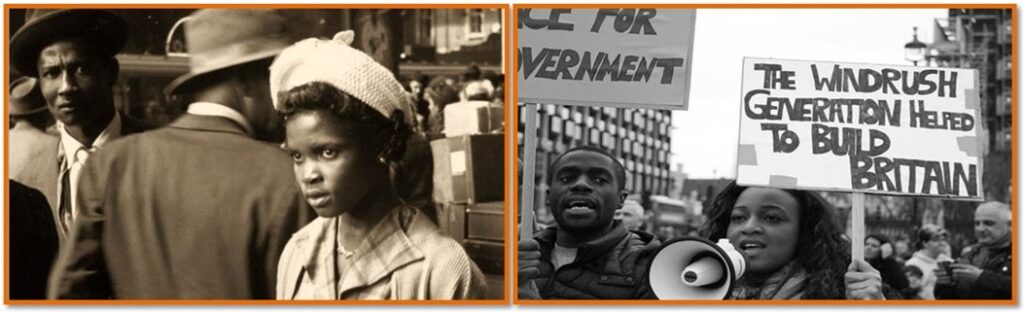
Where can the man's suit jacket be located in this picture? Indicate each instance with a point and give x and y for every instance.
(41, 171)
(193, 210)
(33, 242)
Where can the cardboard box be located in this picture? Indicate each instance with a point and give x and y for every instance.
(488, 255)
(486, 221)
(479, 228)
(472, 117)
(469, 169)
(452, 220)
(442, 172)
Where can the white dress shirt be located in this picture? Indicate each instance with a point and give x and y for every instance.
(75, 154)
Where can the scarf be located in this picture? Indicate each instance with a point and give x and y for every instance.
(786, 283)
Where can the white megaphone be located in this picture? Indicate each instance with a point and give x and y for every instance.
(695, 268)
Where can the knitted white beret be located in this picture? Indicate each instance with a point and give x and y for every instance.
(335, 62)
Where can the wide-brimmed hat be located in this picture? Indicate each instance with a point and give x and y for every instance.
(25, 97)
(222, 38)
(336, 63)
(106, 30)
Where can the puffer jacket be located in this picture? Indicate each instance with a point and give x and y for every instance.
(613, 266)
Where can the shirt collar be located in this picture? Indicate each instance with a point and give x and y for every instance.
(217, 109)
(70, 145)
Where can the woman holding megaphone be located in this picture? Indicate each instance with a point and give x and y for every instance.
(793, 246)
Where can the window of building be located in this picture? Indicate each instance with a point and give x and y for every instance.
(426, 29)
(475, 23)
(556, 126)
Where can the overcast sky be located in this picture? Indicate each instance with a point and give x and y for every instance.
(705, 137)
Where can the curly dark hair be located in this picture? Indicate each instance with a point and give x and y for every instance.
(375, 132)
(821, 249)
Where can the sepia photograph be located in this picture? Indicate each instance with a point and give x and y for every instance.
(190, 154)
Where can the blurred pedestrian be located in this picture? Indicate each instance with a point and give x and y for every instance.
(415, 86)
(794, 247)
(902, 251)
(472, 73)
(878, 251)
(200, 208)
(631, 215)
(347, 126)
(915, 282)
(438, 95)
(28, 140)
(71, 54)
(985, 271)
(931, 245)
(477, 90)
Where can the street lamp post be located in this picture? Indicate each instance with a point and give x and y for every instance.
(915, 50)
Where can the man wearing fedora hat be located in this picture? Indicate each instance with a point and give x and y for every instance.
(28, 139)
(205, 207)
(71, 54)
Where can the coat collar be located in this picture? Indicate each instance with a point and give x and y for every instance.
(207, 123)
(69, 145)
(590, 250)
(389, 246)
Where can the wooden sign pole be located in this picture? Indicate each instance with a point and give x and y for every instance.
(857, 225)
(526, 221)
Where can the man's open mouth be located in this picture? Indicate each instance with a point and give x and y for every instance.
(580, 206)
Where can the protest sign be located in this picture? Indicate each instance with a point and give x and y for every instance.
(882, 129)
(605, 57)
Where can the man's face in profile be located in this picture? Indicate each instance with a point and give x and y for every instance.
(584, 192)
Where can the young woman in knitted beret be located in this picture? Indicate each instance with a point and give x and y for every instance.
(347, 121)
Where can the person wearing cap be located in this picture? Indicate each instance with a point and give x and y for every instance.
(347, 123)
(71, 54)
(28, 108)
(931, 244)
(29, 141)
(199, 209)
(985, 272)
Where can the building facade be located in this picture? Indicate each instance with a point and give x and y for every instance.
(448, 40)
(982, 39)
(639, 138)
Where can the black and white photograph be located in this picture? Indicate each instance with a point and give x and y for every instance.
(767, 152)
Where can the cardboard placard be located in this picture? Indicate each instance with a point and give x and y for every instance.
(883, 129)
(606, 57)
